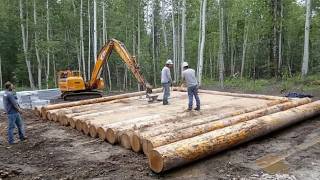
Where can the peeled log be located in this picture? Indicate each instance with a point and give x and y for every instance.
(258, 96)
(173, 136)
(96, 100)
(136, 139)
(182, 152)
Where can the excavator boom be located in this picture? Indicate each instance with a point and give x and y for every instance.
(129, 60)
(73, 86)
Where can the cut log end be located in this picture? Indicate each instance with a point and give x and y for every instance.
(85, 128)
(147, 146)
(93, 131)
(72, 122)
(78, 125)
(111, 136)
(125, 141)
(63, 119)
(101, 133)
(155, 161)
(54, 117)
(135, 143)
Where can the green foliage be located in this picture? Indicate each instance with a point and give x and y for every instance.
(122, 16)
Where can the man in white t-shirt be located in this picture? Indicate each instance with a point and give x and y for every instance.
(189, 76)
(166, 80)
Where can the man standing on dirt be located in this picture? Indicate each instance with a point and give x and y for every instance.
(13, 111)
(166, 80)
(189, 76)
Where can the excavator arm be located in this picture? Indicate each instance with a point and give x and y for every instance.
(129, 60)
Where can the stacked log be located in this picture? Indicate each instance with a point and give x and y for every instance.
(177, 135)
(171, 136)
(93, 101)
(136, 138)
(188, 150)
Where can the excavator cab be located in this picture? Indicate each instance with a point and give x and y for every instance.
(71, 81)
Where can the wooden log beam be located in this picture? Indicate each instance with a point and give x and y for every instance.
(188, 150)
(177, 135)
(258, 96)
(165, 126)
(44, 109)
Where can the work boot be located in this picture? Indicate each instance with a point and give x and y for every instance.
(197, 108)
(165, 103)
(24, 139)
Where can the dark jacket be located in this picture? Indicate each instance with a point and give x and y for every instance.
(10, 103)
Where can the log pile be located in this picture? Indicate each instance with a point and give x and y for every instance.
(170, 136)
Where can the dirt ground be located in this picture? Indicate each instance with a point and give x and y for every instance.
(56, 152)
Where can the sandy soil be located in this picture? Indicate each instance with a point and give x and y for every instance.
(56, 152)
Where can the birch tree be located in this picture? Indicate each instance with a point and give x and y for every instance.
(89, 40)
(95, 30)
(0, 73)
(24, 32)
(48, 49)
(305, 63)
(105, 38)
(183, 31)
(36, 38)
(244, 50)
(202, 42)
(81, 42)
(221, 44)
(174, 46)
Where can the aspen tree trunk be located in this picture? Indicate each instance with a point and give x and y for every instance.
(36, 44)
(165, 39)
(244, 49)
(48, 49)
(153, 46)
(95, 30)
(54, 70)
(183, 32)
(305, 63)
(203, 35)
(89, 40)
(174, 42)
(280, 39)
(0, 73)
(221, 46)
(200, 29)
(24, 32)
(81, 42)
(104, 37)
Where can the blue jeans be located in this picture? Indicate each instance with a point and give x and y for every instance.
(13, 121)
(166, 92)
(193, 91)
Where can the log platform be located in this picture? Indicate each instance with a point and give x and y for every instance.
(170, 135)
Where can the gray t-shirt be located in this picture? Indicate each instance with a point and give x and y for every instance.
(189, 75)
(165, 75)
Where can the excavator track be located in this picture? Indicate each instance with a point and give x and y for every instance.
(81, 95)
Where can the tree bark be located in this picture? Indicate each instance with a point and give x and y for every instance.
(202, 42)
(37, 45)
(48, 48)
(305, 63)
(183, 152)
(95, 30)
(89, 40)
(82, 43)
(24, 32)
(221, 45)
(183, 32)
(244, 50)
(0, 73)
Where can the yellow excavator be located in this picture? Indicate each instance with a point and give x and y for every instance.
(73, 87)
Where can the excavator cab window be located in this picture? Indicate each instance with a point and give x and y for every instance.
(76, 73)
